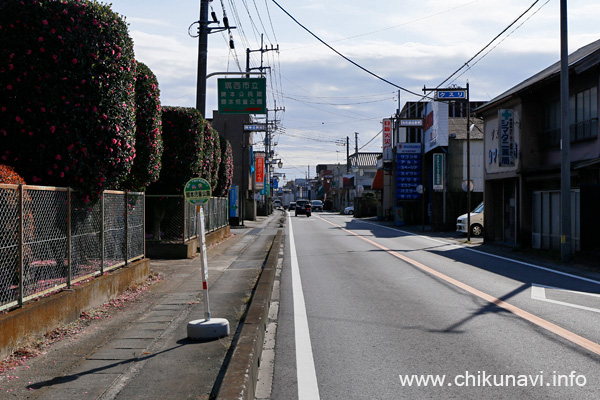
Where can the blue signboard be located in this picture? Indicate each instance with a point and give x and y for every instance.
(234, 204)
(408, 171)
(460, 94)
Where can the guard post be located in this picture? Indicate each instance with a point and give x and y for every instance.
(198, 191)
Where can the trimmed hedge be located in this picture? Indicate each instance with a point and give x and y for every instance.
(225, 169)
(212, 156)
(183, 140)
(148, 131)
(67, 114)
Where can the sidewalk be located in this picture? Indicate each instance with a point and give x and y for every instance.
(142, 350)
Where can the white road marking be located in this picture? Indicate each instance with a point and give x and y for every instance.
(581, 278)
(308, 388)
(538, 292)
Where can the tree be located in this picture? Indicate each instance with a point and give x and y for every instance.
(66, 94)
(225, 169)
(183, 140)
(148, 131)
(212, 156)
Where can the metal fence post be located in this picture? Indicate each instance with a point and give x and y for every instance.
(185, 222)
(144, 222)
(126, 228)
(102, 234)
(21, 247)
(69, 238)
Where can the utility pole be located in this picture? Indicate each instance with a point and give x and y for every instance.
(356, 143)
(565, 140)
(347, 154)
(203, 31)
(202, 57)
(268, 143)
(468, 105)
(262, 51)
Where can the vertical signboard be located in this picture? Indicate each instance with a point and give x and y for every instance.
(387, 140)
(506, 138)
(435, 125)
(234, 204)
(408, 173)
(438, 171)
(259, 170)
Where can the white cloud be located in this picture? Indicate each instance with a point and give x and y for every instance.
(412, 44)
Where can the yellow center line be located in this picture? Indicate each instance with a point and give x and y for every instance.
(534, 319)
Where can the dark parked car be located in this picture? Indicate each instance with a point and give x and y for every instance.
(317, 205)
(301, 206)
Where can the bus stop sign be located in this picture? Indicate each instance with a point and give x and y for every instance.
(197, 190)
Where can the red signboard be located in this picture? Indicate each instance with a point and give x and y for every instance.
(259, 168)
(387, 139)
(387, 133)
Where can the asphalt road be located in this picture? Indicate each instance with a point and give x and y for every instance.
(371, 312)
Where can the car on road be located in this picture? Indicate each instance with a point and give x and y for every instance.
(349, 210)
(292, 206)
(476, 222)
(301, 207)
(276, 203)
(317, 205)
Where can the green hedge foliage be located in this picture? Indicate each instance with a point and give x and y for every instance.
(225, 169)
(182, 158)
(212, 156)
(148, 131)
(67, 74)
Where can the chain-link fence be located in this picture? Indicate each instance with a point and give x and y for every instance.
(171, 219)
(50, 238)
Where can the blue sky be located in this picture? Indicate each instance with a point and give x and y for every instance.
(411, 44)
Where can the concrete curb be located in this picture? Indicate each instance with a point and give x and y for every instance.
(239, 381)
(37, 317)
(189, 249)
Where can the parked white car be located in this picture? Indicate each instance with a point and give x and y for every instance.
(476, 222)
(349, 210)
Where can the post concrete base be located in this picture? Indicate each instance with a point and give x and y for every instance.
(203, 329)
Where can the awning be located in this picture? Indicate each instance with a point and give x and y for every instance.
(378, 180)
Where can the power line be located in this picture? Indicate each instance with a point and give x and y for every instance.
(343, 56)
(490, 43)
(470, 66)
(373, 138)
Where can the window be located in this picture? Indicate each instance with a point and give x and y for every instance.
(550, 134)
(583, 115)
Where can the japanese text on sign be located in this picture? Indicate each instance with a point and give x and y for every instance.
(259, 166)
(242, 96)
(507, 139)
(408, 173)
(387, 139)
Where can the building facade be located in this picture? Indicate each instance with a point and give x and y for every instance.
(523, 158)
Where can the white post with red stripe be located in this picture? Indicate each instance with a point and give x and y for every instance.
(198, 190)
(204, 265)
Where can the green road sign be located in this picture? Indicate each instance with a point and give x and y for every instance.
(242, 96)
(197, 190)
(438, 171)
